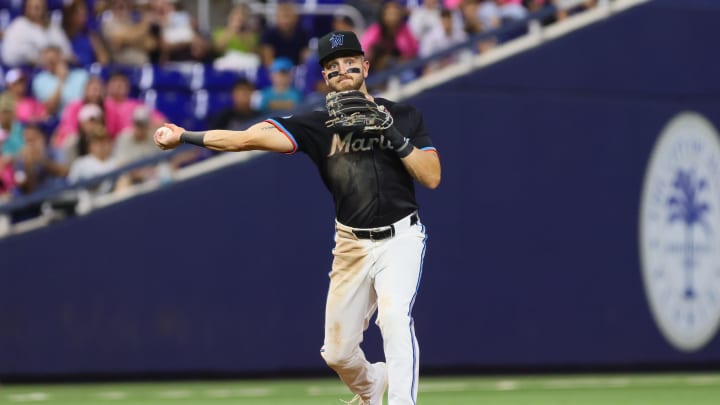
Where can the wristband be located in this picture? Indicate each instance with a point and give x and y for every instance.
(401, 145)
(193, 138)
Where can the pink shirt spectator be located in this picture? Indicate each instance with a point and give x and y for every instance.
(7, 179)
(30, 110)
(404, 40)
(118, 115)
(452, 4)
(68, 123)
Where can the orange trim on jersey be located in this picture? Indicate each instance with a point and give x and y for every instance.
(430, 149)
(285, 132)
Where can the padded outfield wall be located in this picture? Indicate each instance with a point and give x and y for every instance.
(534, 247)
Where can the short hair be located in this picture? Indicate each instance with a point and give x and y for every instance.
(243, 83)
(53, 48)
(118, 73)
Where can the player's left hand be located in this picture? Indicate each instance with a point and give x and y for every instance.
(168, 136)
(353, 110)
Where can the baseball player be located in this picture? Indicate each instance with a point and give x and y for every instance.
(368, 152)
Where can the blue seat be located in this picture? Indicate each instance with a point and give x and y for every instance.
(132, 73)
(219, 79)
(262, 78)
(175, 105)
(15, 7)
(206, 103)
(193, 124)
(169, 79)
(55, 4)
(219, 100)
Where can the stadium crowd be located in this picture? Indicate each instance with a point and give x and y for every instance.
(86, 82)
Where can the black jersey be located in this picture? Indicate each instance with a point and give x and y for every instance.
(368, 182)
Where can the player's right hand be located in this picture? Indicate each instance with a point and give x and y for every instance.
(168, 136)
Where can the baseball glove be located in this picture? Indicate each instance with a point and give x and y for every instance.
(351, 111)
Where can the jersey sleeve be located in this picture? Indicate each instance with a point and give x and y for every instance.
(298, 129)
(419, 136)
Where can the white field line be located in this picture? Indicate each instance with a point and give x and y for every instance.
(337, 390)
(569, 383)
(244, 392)
(428, 386)
(112, 395)
(509, 385)
(506, 385)
(175, 394)
(219, 393)
(29, 397)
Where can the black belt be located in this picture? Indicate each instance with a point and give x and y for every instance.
(381, 233)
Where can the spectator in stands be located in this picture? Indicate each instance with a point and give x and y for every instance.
(280, 95)
(119, 106)
(11, 142)
(389, 41)
(136, 143)
(29, 34)
(97, 162)
(11, 130)
(343, 22)
(241, 112)
(86, 43)
(511, 10)
(287, 38)
(90, 117)
(310, 80)
(240, 34)
(424, 19)
(66, 136)
(57, 84)
(237, 42)
(452, 4)
(536, 5)
(36, 166)
(367, 8)
(442, 37)
(469, 14)
(566, 8)
(180, 40)
(7, 182)
(488, 13)
(27, 107)
(131, 41)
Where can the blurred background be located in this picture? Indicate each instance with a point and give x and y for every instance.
(576, 228)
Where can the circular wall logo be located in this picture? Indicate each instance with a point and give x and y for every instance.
(680, 232)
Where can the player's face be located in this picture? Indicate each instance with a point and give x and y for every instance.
(346, 73)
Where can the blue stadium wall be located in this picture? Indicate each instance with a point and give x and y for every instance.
(532, 260)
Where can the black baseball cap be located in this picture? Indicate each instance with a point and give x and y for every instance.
(338, 43)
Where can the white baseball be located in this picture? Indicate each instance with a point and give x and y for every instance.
(163, 132)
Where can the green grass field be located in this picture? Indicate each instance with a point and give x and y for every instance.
(650, 389)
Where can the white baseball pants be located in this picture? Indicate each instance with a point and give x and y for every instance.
(368, 275)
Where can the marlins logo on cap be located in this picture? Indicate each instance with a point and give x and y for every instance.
(336, 40)
(338, 43)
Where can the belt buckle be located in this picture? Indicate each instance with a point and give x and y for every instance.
(372, 234)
